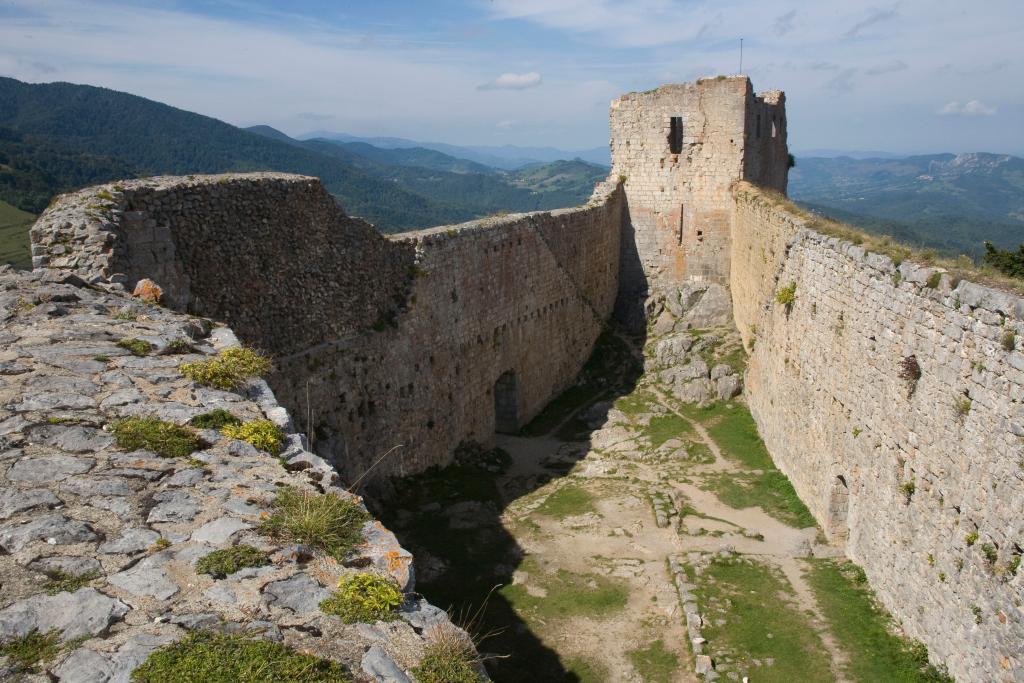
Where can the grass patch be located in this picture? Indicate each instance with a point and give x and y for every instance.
(217, 658)
(26, 654)
(732, 427)
(568, 594)
(661, 428)
(228, 370)
(771, 491)
(220, 563)
(637, 403)
(62, 582)
(448, 658)
(14, 240)
(163, 438)
(864, 630)
(326, 521)
(137, 347)
(586, 670)
(759, 622)
(263, 434)
(215, 419)
(180, 346)
(567, 501)
(654, 663)
(364, 598)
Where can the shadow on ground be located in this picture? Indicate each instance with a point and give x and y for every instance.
(451, 518)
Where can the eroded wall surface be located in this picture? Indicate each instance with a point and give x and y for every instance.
(378, 342)
(927, 489)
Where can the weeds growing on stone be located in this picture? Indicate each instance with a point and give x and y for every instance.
(910, 372)
(326, 521)
(215, 419)
(62, 582)
(962, 406)
(971, 538)
(864, 630)
(448, 658)
(786, 295)
(179, 346)
(364, 598)
(217, 658)
(654, 663)
(163, 438)
(1009, 340)
(263, 434)
(990, 552)
(228, 370)
(27, 653)
(137, 347)
(220, 563)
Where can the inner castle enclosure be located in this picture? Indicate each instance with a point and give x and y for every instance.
(430, 339)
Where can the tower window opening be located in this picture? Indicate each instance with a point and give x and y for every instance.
(675, 135)
(773, 128)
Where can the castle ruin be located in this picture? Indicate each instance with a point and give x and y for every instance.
(429, 339)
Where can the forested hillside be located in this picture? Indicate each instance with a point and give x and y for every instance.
(57, 137)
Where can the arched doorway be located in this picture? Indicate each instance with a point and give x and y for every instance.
(506, 404)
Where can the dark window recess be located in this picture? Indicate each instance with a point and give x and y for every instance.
(675, 135)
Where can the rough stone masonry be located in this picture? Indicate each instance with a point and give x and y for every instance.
(428, 339)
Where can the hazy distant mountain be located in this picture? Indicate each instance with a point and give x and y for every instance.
(506, 157)
(948, 202)
(57, 137)
(853, 154)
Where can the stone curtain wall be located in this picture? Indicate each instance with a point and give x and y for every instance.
(679, 204)
(928, 495)
(526, 294)
(377, 342)
(271, 254)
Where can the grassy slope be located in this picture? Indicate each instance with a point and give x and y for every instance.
(760, 622)
(14, 224)
(863, 629)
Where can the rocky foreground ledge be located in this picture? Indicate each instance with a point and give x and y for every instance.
(99, 545)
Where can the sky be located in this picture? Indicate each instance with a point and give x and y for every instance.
(908, 76)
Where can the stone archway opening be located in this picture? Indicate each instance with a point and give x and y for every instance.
(506, 404)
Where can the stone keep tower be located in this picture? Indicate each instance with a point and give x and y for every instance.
(680, 148)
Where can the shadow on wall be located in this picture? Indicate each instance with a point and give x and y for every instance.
(633, 284)
(451, 518)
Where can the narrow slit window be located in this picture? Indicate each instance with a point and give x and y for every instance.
(675, 135)
(773, 127)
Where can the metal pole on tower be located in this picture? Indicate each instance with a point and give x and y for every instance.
(741, 56)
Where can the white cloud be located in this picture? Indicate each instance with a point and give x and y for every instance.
(972, 108)
(512, 81)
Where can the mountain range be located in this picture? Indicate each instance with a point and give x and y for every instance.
(948, 202)
(56, 137)
(506, 157)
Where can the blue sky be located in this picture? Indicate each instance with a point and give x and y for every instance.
(903, 76)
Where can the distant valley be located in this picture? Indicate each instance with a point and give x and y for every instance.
(950, 203)
(57, 137)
